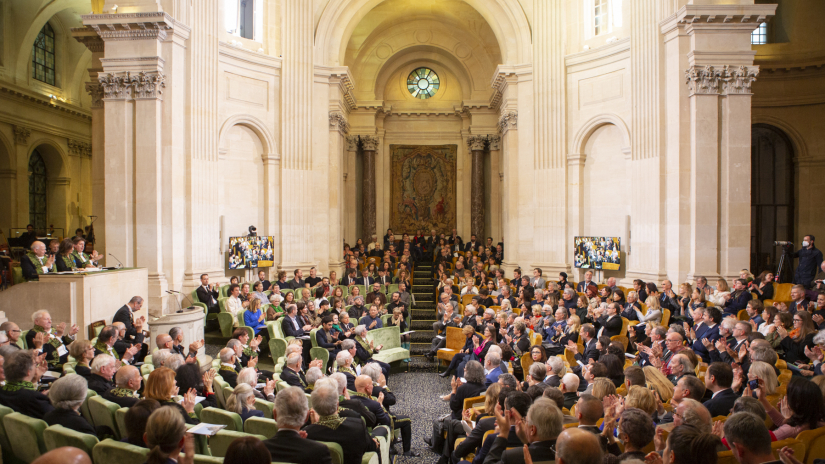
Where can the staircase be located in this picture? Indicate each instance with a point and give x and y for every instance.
(423, 311)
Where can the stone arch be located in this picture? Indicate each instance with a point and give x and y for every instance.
(37, 23)
(424, 58)
(796, 139)
(588, 128)
(53, 155)
(255, 125)
(505, 17)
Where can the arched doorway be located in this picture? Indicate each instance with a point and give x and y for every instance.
(38, 204)
(772, 200)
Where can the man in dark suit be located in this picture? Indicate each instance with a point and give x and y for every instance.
(292, 373)
(588, 334)
(739, 298)
(262, 279)
(708, 329)
(589, 410)
(290, 324)
(348, 432)
(570, 389)
(800, 301)
(103, 367)
(227, 370)
(291, 409)
(208, 294)
(54, 340)
(432, 241)
(718, 379)
(366, 279)
(472, 245)
(581, 287)
(35, 263)
(126, 315)
(610, 324)
(544, 419)
(125, 393)
(298, 280)
(19, 393)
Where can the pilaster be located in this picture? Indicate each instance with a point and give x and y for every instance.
(21, 161)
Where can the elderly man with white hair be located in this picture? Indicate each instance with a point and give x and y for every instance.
(492, 364)
(555, 369)
(22, 370)
(327, 426)
(344, 360)
(291, 409)
(55, 339)
(365, 349)
(292, 373)
(570, 389)
(227, 370)
(35, 263)
(379, 384)
(313, 375)
(103, 368)
(249, 376)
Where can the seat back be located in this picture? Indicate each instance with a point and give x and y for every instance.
(58, 436)
(319, 353)
(204, 459)
(219, 442)
(111, 451)
(390, 337)
(231, 420)
(455, 338)
(470, 402)
(25, 435)
(665, 317)
(335, 452)
(277, 348)
(312, 337)
(261, 426)
(625, 324)
(217, 386)
(84, 409)
(265, 406)
(526, 362)
(814, 441)
(5, 445)
(103, 412)
(120, 419)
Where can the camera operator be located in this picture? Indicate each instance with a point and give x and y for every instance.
(810, 258)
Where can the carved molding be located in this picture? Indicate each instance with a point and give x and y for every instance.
(120, 86)
(21, 134)
(131, 26)
(96, 92)
(88, 37)
(337, 121)
(369, 143)
(729, 80)
(507, 121)
(476, 142)
(495, 142)
(352, 142)
(80, 149)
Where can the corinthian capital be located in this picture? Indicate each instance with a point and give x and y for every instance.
(115, 87)
(703, 80)
(507, 121)
(738, 80)
(147, 85)
(476, 142)
(337, 121)
(21, 134)
(96, 92)
(369, 143)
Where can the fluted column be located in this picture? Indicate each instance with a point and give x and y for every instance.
(548, 242)
(477, 145)
(368, 192)
(296, 132)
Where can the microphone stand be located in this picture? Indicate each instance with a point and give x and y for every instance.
(120, 265)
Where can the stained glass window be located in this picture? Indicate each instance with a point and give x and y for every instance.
(43, 55)
(37, 191)
(423, 83)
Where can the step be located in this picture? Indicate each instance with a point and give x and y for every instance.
(422, 325)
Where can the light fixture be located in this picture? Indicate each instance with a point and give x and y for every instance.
(114, 9)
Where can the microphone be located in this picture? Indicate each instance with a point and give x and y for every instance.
(118, 261)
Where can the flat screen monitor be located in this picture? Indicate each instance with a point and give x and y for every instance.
(598, 253)
(250, 252)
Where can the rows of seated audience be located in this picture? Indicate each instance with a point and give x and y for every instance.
(548, 370)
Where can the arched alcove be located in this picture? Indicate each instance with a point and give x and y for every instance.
(606, 192)
(241, 188)
(772, 196)
(55, 188)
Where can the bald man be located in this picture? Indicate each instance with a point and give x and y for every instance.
(35, 263)
(164, 341)
(579, 446)
(64, 455)
(128, 381)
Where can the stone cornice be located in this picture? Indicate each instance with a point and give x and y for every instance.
(131, 26)
(724, 16)
(88, 37)
(38, 99)
(727, 80)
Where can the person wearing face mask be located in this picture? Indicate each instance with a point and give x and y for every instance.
(810, 258)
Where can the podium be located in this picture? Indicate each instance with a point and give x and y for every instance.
(80, 298)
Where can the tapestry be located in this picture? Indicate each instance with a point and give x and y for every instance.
(423, 193)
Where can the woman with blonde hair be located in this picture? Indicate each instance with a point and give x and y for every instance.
(242, 402)
(354, 292)
(722, 290)
(83, 352)
(659, 383)
(642, 398)
(161, 386)
(654, 311)
(602, 387)
(761, 370)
